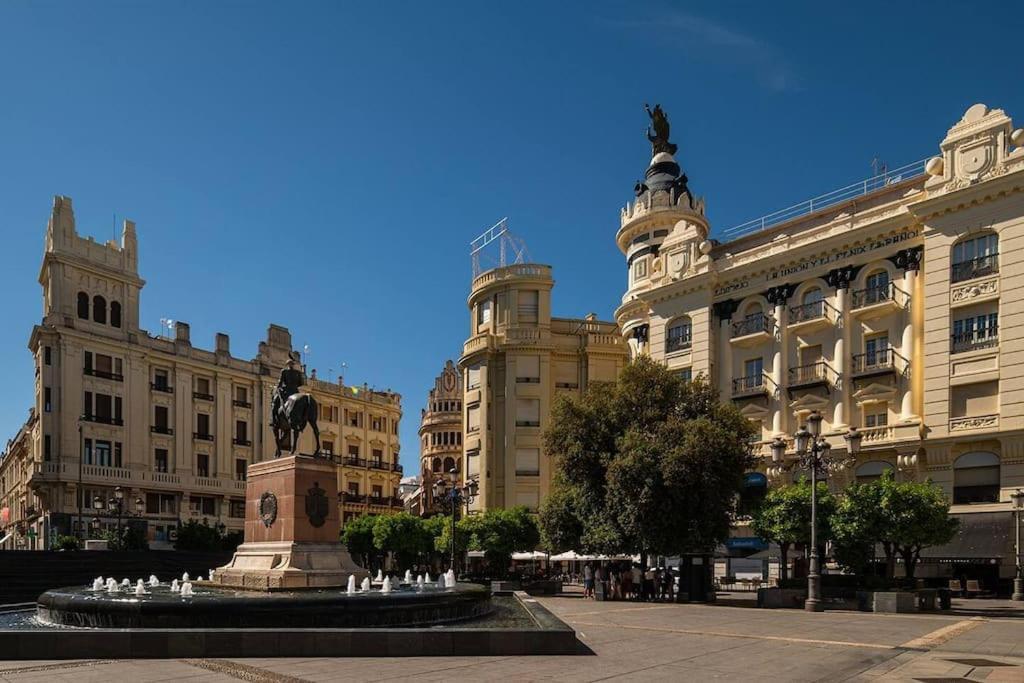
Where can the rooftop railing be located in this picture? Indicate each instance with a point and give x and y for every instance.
(843, 194)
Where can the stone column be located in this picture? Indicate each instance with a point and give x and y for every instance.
(840, 416)
(907, 343)
(724, 310)
(779, 297)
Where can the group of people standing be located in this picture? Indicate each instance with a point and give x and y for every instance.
(625, 581)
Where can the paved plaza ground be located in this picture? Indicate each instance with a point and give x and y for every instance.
(983, 640)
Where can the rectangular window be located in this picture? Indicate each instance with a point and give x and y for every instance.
(104, 407)
(378, 491)
(118, 416)
(685, 374)
(241, 394)
(528, 499)
(160, 460)
(378, 456)
(161, 504)
(473, 463)
(87, 448)
(161, 380)
(87, 362)
(377, 423)
(203, 505)
(46, 447)
(328, 447)
(527, 412)
(640, 269)
(241, 432)
(241, 466)
(46, 400)
(202, 465)
(528, 306)
(46, 356)
(353, 488)
(876, 350)
(353, 418)
(527, 462)
(160, 419)
(483, 313)
(236, 509)
(753, 371)
(528, 369)
(473, 419)
(203, 424)
(103, 453)
(117, 454)
(87, 409)
(473, 377)
(202, 386)
(876, 415)
(968, 400)
(353, 450)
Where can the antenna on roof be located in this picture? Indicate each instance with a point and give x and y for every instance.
(879, 166)
(482, 249)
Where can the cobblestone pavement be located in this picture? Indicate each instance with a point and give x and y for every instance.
(651, 642)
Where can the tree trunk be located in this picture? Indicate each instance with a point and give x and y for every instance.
(643, 560)
(909, 561)
(784, 556)
(890, 561)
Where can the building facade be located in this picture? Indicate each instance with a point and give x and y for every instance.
(440, 438)
(895, 306)
(517, 359)
(174, 426)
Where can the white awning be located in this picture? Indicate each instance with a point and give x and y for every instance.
(535, 555)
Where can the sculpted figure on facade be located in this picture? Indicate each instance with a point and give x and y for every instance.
(659, 138)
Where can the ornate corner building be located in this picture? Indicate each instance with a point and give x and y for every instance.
(895, 306)
(174, 426)
(517, 359)
(440, 439)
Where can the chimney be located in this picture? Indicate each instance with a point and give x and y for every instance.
(223, 343)
(182, 333)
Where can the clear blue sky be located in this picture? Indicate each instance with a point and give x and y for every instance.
(356, 148)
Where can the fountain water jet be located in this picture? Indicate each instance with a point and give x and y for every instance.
(186, 589)
(408, 577)
(140, 587)
(440, 580)
(380, 577)
(449, 578)
(365, 587)
(174, 586)
(386, 585)
(184, 577)
(153, 581)
(351, 589)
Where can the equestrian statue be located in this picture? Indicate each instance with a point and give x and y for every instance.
(291, 410)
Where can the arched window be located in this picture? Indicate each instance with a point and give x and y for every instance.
(83, 306)
(976, 478)
(812, 306)
(115, 314)
(99, 309)
(755, 487)
(679, 335)
(975, 257)
(871, 471)
(435, 466)
(449, 464)
(813, 296)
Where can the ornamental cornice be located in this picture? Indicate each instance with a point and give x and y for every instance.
(957, 194)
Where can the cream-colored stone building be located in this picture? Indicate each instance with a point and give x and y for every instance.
(895, 306)
(173, 425)
(516, 360)
(440, 438)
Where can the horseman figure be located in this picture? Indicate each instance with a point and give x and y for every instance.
(291, 410)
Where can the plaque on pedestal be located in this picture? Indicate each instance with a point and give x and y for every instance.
(292, 528)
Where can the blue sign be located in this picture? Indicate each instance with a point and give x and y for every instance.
(746, 543)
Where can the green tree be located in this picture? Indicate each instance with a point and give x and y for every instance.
(647, 464)
(403, 535)
(784, 517)
(499, 533)
(357, 535)
(858, 523)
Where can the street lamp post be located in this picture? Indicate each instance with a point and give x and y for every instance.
(814, 453)
(456, 497)
(1017, 497)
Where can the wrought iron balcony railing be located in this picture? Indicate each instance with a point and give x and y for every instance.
(875, 362)
(974, 340)
(752, 324)
(159, 386)
(104, 419)
(752, 385)
(201, 396)
(975, 267)
(162, 429)
(813, 310)
(104, 374)
(202, 436)
(817, 372)
(870, 296)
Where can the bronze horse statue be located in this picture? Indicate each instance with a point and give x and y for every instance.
(291, 418)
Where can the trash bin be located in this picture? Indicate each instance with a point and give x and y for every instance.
(945, 598)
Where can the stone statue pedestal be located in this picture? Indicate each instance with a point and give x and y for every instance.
(292, 528)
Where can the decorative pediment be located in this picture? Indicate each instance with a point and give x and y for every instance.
(809, 402)
(755, 411)
(875, 393)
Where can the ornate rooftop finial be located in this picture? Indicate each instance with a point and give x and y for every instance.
(659, 139)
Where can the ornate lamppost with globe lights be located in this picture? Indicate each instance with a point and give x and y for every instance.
(814, 453)
(448, 494)
(115, 505)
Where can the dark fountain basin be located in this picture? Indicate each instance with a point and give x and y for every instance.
(212, 607)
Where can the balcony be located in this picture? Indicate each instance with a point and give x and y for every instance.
(811, 315)
(104, 374)
(103, 420)
(974, 340)
(396, 468)
(354, 498)
(974, 268)
(876, 363)
(161, 386)
(241, 442)
(873, 302)
(750, 387)
(241, 404)
(200, 396)
(353, 461)
(814, 374)
(752, 330)
(162, 429)
(674, 344)
(202, 436)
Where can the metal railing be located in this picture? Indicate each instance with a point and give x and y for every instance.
(241, 442)
(871, 362)
(870, 296)
(975, 267)
(159, 429)
(353, 461)
(750, 386)
(812, 373)
(349, 497)
(166, 388)
(241, 404)
(104, 419)
(202, 436)
(813, 310)
(680, 343)
(843, 194)
(104, 374)
(974, 340)
(752, 324)
(201, 396)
